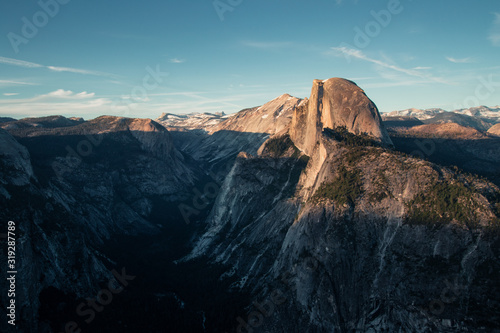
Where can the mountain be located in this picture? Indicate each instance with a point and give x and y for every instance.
(442, 130)
(495, 130)
(216, 146)
(300, 215)
(190, 121)
(462, 120)
(350, 235)
(6, 119)
(487, 114)
(450, 139)
(336, 103)
(415, 113)
(400, 121)
(492, 113)
(75, 192)
(45, 122)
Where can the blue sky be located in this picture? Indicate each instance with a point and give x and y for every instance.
(140, 59)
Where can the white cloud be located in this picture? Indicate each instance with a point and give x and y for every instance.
(177, 61)
(348, 52)
(63, 102)
(60, 93)
(85, 94)
(460, 61)
(10, 94)
(27, 64)
(421, 68)
(68, 94)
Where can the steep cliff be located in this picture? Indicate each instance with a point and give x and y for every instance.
(336, 103)
(351, 236)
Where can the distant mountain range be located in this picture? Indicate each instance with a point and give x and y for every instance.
(490, 114)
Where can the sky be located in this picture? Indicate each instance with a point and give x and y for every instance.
(144, 58)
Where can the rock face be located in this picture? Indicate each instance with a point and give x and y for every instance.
(333, 103)
(353, 250)
(15, 161)
(351, 237)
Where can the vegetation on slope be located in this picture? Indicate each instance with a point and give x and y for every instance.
(280, 145)
(344, 189)
(341, 134)
(445, 202)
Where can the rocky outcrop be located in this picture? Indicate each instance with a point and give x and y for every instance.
(336, 103)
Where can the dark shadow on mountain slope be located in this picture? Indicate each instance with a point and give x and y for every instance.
(480, 156)
(217, 152)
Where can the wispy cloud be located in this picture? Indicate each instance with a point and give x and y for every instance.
(27, 64)
(19, 63)
(266, 45)
(421, 68)
(79, 71)
(15, 83)
(461, 60)
(348, 52)
(11, 94)
(494, 35)
(177, 61)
